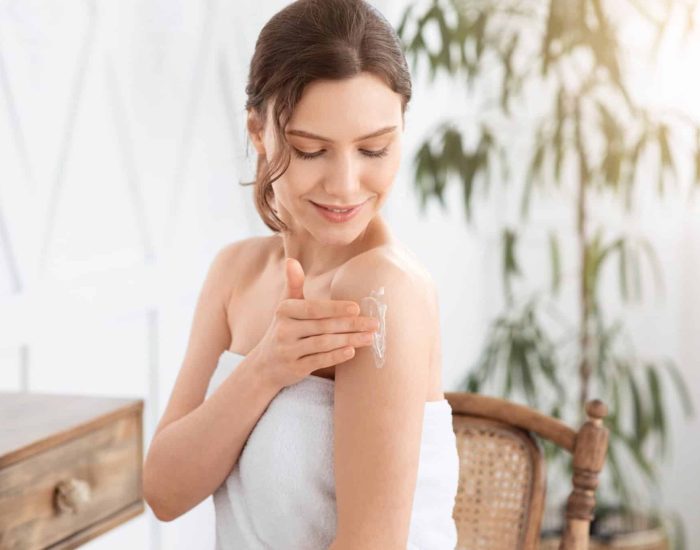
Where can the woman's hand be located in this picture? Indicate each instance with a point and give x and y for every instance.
(307, 335)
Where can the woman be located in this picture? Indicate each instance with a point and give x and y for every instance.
(303, 446)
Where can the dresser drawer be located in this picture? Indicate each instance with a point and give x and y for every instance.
(79, 482)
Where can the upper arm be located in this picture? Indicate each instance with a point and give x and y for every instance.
(209, 337)
(378, 412)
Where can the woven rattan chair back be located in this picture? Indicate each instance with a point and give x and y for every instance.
(501, 484)
(502, 481)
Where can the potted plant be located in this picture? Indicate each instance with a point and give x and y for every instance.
(589, 147)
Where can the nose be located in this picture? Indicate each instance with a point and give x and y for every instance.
(343, 177)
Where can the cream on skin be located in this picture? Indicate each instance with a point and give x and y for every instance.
(374, 306)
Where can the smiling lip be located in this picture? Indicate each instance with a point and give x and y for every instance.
(338, 207)
(338, 217)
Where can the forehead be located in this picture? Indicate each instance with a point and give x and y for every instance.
(344, 109)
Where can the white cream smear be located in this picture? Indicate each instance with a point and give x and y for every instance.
(374, 306)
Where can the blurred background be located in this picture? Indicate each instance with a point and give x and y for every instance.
(550, 184)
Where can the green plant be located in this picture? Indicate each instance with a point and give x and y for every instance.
(594, 142)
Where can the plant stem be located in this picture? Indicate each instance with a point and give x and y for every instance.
(585, 298)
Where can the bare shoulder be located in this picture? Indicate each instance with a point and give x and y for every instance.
(248, 246)
(410, 322)
(233, 251)
(407, 287)
(243, 260)
(386, 265)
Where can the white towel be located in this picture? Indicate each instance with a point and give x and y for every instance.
(280, 495)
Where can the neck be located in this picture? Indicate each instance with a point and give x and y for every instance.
(318, 258)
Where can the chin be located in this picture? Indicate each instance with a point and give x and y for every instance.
(338, 234)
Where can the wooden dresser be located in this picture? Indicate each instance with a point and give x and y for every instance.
(70, 468)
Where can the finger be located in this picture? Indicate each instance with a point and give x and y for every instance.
(327, 342)
(327, 359)
(318, 309)
(348, 323)
(294, 275)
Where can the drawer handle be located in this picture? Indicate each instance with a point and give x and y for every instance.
(72, 495)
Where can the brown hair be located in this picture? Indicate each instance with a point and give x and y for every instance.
(306, 41)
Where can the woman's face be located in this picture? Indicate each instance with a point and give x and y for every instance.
(335, 158)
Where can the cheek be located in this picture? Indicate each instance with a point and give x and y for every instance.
(299, 178)
(304, 172)
(383, 173)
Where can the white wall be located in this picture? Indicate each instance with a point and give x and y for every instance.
(121, 145)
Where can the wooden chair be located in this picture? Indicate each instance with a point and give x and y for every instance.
(502, 480)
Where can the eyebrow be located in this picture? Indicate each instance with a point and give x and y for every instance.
(303, 133)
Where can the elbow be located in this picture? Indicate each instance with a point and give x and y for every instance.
(163, 513)
(154, 497)
(159, 511)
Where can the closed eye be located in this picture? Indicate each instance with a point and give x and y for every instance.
(366, 152)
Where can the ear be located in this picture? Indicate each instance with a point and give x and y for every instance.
(255, 130)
